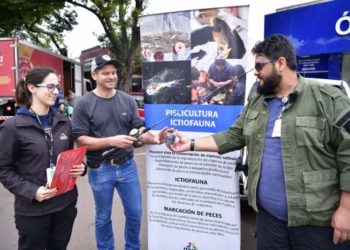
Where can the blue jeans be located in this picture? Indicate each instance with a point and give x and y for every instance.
(125, 179)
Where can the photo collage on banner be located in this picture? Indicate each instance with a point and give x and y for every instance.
(194, 65)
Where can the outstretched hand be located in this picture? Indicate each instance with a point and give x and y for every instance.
(150, 138)
(181, 144)
(162, 133)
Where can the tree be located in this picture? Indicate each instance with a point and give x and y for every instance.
(119, 19)
(43, 22)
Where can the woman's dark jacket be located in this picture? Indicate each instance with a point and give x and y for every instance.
(24, 157)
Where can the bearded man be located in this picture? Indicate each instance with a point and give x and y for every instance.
(297, 132)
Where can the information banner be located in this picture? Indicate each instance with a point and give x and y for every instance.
(194, 66)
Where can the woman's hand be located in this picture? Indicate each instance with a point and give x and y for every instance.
(44, 193)
(77, 170)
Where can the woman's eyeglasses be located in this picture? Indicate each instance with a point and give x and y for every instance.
(50, 87)
(260, 65)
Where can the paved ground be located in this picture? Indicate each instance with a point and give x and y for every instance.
(83, 232)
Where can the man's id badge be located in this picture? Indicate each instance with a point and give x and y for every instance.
(49, 174)
(277, 128)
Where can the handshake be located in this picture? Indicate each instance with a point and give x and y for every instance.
(174, 140)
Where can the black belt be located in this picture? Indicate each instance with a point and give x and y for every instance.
(117, 161)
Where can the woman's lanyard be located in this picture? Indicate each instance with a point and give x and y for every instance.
(48, 137)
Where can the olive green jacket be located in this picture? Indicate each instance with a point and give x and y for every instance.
(315, 149)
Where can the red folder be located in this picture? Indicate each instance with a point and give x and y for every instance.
(65, 161)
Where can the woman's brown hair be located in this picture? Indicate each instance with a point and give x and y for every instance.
(34, 76)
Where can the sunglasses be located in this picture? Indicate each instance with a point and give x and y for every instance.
(260, 65)
(50, 87)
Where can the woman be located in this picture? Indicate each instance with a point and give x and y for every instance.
(30, 143)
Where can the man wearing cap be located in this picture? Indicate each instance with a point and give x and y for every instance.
(102, 120)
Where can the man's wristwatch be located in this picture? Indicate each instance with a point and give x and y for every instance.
(192, 145)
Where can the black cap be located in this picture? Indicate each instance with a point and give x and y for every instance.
(102, 60)
(220, 62)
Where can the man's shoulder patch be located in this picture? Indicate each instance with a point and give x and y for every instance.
(343, 121)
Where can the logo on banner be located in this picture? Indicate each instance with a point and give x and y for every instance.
(191, 246)
(1, 60)
(342, 26)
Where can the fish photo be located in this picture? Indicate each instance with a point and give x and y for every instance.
(166, 37)
(167, 83)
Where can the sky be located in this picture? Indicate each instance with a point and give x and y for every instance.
(83, 36)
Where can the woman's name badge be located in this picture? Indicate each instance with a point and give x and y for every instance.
(277, 128)
(49, 174)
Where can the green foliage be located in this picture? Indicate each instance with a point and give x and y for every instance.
(119, 18)
(43, 22)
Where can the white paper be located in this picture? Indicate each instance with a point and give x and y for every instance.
(277, 129)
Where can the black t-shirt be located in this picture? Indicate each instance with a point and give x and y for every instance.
(103, 117)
